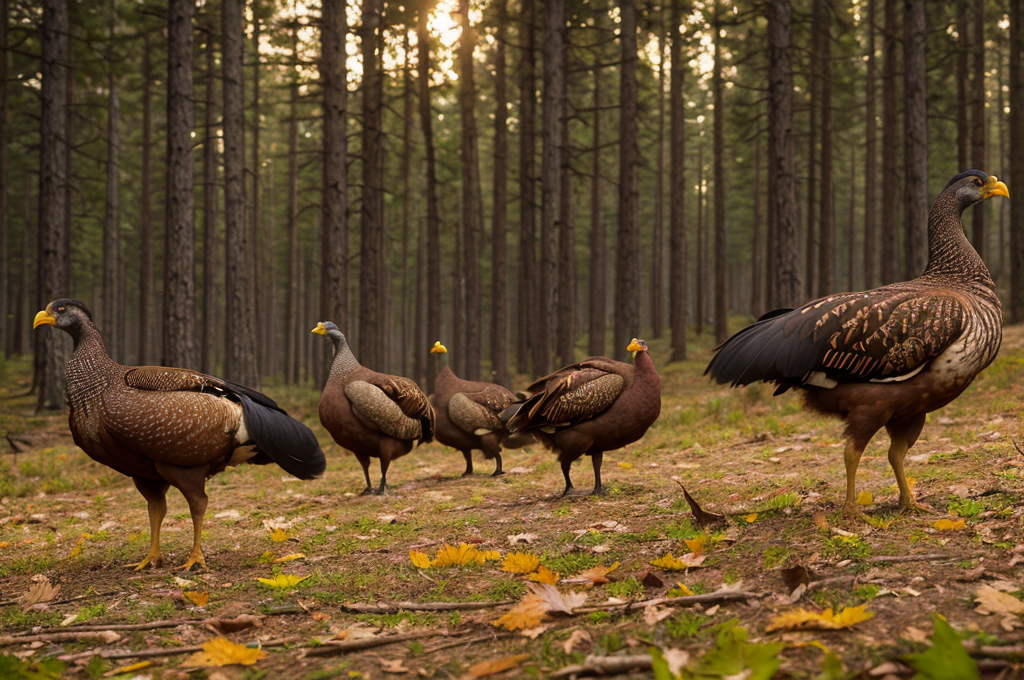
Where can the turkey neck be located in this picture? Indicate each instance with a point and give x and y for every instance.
(643, 365)
(344, 361)
(951, 257)
(90, 369)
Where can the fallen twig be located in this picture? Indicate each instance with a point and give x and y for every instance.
(466, 643)
(152, 625)
(336, 649)
(891, 559)
(1004, 652)
(8, 603)
(701, 517)
(1017, 446)
(393, 608)
(673, 601)
(106, 636)
(606, 665)
(151, 653)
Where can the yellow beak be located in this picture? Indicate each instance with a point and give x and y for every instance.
(994, 188)
(634, 346)
(438, 348)
(44, 318)
(319, 330)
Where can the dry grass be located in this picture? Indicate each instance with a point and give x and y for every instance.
(737, 452)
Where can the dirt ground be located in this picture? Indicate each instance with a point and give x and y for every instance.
(775, 471)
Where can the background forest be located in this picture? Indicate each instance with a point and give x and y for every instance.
(528, 182)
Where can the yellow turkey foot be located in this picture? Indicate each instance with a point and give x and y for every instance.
(854, 512)
(153, 559)
(909, 505)
(195, 558)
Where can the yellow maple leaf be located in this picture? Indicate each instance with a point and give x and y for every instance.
(451, 556)
(197, 598)
(278, 535)
(801, 618)
(419, 559)
(283, 581)
(527, 614)
(669, 562)
(491, 555)
(681, 590)
(544, 575)
(130, 668)
(291, 557)
(77, 550)
(485, 668)
(865, 498)
(223, 652)
(949, 524)
(520, 563)
(625, 466)
(751, 518)
(697, 545)
(598, 574)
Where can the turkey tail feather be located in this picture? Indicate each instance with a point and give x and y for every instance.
(288, 442)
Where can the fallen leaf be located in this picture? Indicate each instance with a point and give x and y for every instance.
(544, 575)
(751, 518)
(42, 591)
(865, 498)
(681, 590)
(278, 535)
(802, 618)
(485, 668)
(697, 545)
(946, 659)
(452, 556)
(419, 559)
(183, 582)
(240, 622)
(394, 666)
(522, 538)
(320, 616)
(290, 558)
(357, 631)
(283, 581)
(949, 525)
(520, 563)
(222, 652)
(130, 668)
(197, 598)
(653, 614)
(557, 601)
(491, 555)
(625, 466)
(577, 639)
(527, 614)
(993, 601)
(701, 517)
(536, 631)
(679, 563)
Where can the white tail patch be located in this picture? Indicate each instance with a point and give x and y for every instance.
(481, 431)
(819, 379)
(899, 378)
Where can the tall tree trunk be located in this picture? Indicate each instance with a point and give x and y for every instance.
(551, 186)
(677, 182)
(408, 342)
(979, 237)
(499, 243)
(261, 295)
(890, 149)
(207, 352)
(851, 233)
(53, 346)
(1001, 133)
(333, 302)
(721, 263)
(915, 134)
(112, 289)
(657, 238)
(470, 195)
(756, 284)
(240, 343)
(813, 111)
(179, 240)
(598, 273)
(528, 307)
(963, 52)
(827, 221)
(1016, 306)
(870, 158)
(565, 309)
(782, 176)
(26, 293)
(5, 235)
(702, 245)
(373, 269)
(145, 352)
(294, 331)
(434, 320)
(627, 253)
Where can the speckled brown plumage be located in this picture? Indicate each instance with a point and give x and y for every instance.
(884, 357)
(591, 407)
(467, 415)
(371, 414)
(170, 427)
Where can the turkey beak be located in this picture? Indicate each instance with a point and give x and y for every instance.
(438, 348)
(634, 346)
(44, 318)
(319, 330)
(994, 188)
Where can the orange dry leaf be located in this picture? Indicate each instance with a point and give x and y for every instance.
(419, 559)
(520, 563)
(598, 574)
(544, 575)
(497, 666)
(450, 556)
(223, 652)
(949, 525)
(801, 618)
(751, 518)
(197, 598)
(527, 614)
(679, 563)
(697, 545)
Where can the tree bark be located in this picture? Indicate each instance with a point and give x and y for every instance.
(782, 179)
(979, 237)
(627, 254)
(434, 320)
(565, 309)
(598, 273)
(963, 53)
(5, 232)
(262, 295)
(677, 182)
(207, 355)
(701, 308)
(528, 326)
(294, 332)
(851, 225)
(814, 65)
(551, 186)
(827, 219)
(240, 362)
(27, 294)
(406, 341)
(1016, 306)
(721, 263)
(53, 345)
(144, 351)
(890, 149)
(499, 243)
(915, 127)
(112, 289)
(757, 288)
(870, 159)
(179, 325)
(657, 238)
(470, 195)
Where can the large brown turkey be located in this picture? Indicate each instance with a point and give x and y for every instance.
(888, 356)
(371, 414)
(591, 407)
(171, 426)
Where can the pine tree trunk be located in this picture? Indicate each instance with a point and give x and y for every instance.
(373, 271)
(870, 159)
(702, 255)
(598, 273)
(499, 224)
(5, 232)
(470, 196)
(827, 221)
(565, 310)
(890, 150)
(52, 345)
(551, 186)
(240, 342)
(851, 228)
(407, 342)
(963, 52)
(979, 236)
(262, 293)
(25, 293)
(813, 110)
(528, 326)
(294, 331)
(144, 351)
(657, 238)
(721, 263)
(112, 289)
(677, 183)
(433, 239)
(915, 135)
(756, 288)
(627, 253)
(782, 176)
(1016, 144)
(207, 352)
(334, 250)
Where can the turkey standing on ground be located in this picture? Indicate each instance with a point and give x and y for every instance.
(884, 357)
(371, 414)
(171, 426)
(591, 407)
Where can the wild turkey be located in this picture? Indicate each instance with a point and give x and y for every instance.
(467, 414)
(171, 426)
(591, 407)
(888, 356)
(371, 414)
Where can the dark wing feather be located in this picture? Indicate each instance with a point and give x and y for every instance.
(854, 337)
(409, 397)
(572, 395)
(160, 379)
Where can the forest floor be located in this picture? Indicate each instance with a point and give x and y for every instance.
(773, 470)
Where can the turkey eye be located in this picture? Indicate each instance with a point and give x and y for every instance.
(60, 309)
(977, 182)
